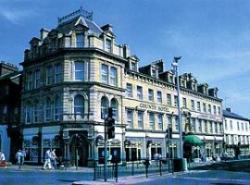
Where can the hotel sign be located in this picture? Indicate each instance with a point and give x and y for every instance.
(154, 107)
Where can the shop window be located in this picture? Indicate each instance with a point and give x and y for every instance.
(156, 152)
(132, 154)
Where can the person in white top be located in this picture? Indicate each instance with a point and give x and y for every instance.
(47, 163)
(2, 156)
(2, 160)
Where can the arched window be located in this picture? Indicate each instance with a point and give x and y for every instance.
(114, 106)
(48, 109)
(104, 107)
(79, 71)
(79, 105)
(58, 109)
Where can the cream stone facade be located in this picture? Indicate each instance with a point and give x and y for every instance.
(76, 71)
(236, 133)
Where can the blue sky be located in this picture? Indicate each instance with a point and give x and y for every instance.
(212, 36)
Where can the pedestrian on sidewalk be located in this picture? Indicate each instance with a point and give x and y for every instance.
(20, 158)
(47, 163)
(2, 160)
(53, 159)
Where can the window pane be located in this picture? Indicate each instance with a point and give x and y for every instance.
(108, 45)
(152, 121)
(139, 93)
(79, 105)
(104, 74)
(113, 76)
(114, 106)
(129, 90)
(169, 100)
(129, 118)
(160, 122)
(79, 40)
(159, 97)
(58, 73)
(150, 95)
(140, 119)
(104, 107)
(79, 71)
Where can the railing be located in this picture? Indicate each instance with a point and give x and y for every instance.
(144, 166)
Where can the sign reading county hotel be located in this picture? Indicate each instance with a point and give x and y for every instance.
(154, 107)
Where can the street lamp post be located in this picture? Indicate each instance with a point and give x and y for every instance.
(175, 67)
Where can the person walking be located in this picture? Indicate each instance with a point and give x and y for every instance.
(20, 158)
(23, 156)
(47, 163)
(2, 160)
(53, 159)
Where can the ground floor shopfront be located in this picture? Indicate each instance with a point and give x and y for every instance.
(82, 145)
(4, 141)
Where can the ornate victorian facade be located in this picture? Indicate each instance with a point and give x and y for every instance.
(73, 73)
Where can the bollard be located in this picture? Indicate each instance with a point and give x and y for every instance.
(146, 163)
(160, 167)
(133, 168)
(94, 178)
(116, 170)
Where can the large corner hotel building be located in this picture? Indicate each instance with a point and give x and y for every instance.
(74, 72)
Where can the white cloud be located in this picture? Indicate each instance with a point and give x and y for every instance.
(16, 16)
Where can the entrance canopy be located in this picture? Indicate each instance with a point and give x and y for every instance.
(193, 140)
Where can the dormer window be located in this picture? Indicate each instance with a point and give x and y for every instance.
(108, 45)
(80, 40)
(154, 73)
(133, 66)
(171, 79)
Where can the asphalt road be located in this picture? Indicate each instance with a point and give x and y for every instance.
(17, 177)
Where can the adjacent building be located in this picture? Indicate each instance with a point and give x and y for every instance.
(74, 72)
(236, 133)
(10, 100)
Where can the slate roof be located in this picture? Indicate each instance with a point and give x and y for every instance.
(233, 115)
(66, 27)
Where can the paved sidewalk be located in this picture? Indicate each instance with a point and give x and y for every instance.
(40, 169)
(126, 180)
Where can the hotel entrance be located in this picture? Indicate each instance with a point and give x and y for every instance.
(79, 148)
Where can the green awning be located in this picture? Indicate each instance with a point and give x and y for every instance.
(193, 140)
